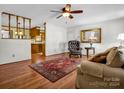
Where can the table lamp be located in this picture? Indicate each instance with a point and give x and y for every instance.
(92, 38)
(121, 39)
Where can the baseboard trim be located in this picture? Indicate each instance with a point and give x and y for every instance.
(57, 54)
(16, 62)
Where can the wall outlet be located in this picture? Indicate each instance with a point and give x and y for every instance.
(13, 55)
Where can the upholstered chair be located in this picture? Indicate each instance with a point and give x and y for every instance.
(74, 48)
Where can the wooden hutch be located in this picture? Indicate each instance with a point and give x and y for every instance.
(38, 40)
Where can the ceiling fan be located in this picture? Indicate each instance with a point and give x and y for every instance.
(66, 11)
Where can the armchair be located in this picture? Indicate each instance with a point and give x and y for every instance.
(74, 48)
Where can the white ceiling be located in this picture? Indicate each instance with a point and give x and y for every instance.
(40, 13)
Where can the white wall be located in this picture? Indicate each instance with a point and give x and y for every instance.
(0, 23)
(13, 50)
(110, 31)
(55, 39)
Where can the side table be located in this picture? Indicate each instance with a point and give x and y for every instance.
(89, 48)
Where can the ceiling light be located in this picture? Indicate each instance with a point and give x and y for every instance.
(66, 14)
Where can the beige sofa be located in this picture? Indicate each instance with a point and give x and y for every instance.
(97, 75)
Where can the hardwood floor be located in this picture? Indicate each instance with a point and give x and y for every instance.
(20, 75)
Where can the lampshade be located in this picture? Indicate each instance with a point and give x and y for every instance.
(120, 36)
(16, 32)
(20, 33)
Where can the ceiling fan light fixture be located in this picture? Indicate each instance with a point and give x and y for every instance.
(66, 14)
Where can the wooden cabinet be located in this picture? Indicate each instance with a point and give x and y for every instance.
(34, 32)
(36, 48)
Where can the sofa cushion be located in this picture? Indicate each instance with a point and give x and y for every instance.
(100, 57)
(115, 58)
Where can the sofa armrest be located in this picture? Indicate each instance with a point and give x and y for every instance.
(100, 70)
(91, 68)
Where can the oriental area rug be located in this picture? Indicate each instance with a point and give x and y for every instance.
(56, 68)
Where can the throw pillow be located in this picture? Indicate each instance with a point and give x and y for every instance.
(101, 57)
(98, 58)
(115, 58)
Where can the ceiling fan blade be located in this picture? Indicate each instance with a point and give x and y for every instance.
(56, 11)
(70, 16)
(76, 11)
(58, 16)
